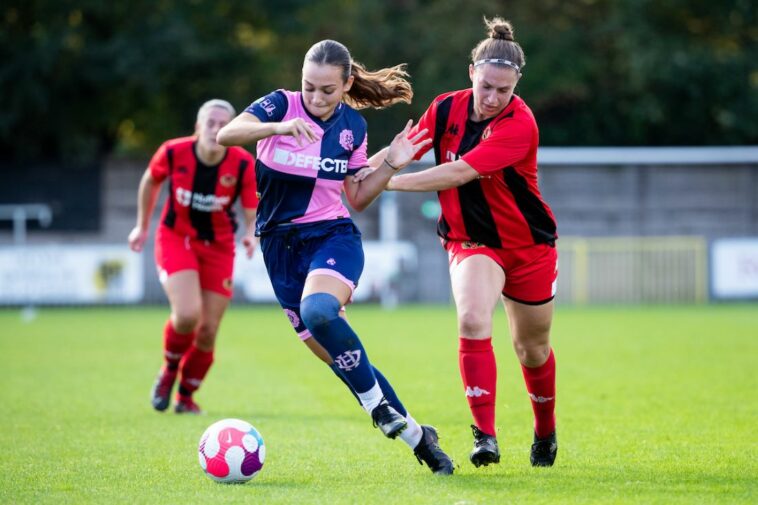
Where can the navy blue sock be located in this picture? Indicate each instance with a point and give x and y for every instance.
(389, 393)
(341, 376)
(320, 313)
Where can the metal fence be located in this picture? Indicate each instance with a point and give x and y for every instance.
(633, 270)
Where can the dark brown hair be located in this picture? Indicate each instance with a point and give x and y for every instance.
(499, 43)
(376, 89)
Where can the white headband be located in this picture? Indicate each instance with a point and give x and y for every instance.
(498, 61)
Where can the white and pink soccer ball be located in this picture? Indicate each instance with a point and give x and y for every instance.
(231, 450)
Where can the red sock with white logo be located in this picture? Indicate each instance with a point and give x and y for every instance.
(540, 384)
(193, 367)
(476, 360)
(175, 345)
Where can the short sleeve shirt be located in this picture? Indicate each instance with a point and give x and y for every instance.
(201, 197)
(503, 207)
(303, 184)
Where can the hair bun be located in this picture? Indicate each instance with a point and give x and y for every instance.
(498, 29)
(502, 32)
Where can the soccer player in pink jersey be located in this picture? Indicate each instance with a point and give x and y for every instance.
(499, 234)
(311, 144)
(194, 245)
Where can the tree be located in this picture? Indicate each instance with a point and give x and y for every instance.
(82, 80)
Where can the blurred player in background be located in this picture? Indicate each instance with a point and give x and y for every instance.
(499, 234)
(194, 244)
(310, 146)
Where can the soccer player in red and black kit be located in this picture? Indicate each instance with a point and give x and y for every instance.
(498, 232)
(194, 244)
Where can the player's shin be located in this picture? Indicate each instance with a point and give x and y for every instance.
(540, 384)
(175, 345)
(320, 313)
(193, 369)
(476, 359)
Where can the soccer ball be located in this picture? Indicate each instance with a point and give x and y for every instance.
(231, 450)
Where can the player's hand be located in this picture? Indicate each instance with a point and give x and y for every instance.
(298, 128)
(363, 173)
(403, 149)
(137, 239)
(250, 242)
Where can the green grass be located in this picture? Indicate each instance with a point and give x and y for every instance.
(655, 405)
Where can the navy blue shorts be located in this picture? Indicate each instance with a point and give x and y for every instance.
(293, 252)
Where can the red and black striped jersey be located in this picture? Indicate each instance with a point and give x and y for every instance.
(503, 207)
(201, 197)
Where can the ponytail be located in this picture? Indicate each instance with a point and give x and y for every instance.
(375, 89)
(379, 88)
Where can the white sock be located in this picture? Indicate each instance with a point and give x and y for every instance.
(413, 433)
(371, 398)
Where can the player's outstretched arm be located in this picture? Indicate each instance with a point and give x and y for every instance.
(445, 176)
(363, 189)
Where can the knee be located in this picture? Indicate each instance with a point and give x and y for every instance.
(318, 309)
(185, 320)
(474, 323)
(532, 354)
(206, 336)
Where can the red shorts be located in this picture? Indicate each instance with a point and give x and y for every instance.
(530, 272)
(213, 261)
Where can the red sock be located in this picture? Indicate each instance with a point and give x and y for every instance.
(175, 345)
(540, 384)
(476, 360)
(194, 366)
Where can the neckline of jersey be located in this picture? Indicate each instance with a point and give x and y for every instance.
(202, 163)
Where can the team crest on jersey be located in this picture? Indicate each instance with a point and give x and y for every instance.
(347, 139)
(228, 180)
(486, 133)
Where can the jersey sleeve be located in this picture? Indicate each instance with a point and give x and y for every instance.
(249, 192)
(159, 164)
(427, 121)
(270, 108)
(507, 145)
(358, 158)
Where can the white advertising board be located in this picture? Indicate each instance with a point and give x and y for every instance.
(734, 268)
(70, 274)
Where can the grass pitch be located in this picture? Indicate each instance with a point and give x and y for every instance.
(655, 405)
